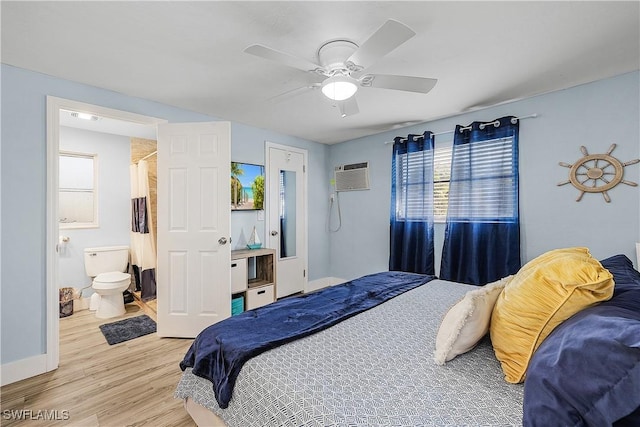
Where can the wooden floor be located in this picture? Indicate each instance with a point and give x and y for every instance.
(126, 384)
(149, 305)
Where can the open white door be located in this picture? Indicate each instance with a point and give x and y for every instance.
(194, 260)
(287, 216)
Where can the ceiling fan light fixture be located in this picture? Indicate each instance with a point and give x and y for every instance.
(339, 88)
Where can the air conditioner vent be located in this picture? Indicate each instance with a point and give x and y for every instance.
(352, 177)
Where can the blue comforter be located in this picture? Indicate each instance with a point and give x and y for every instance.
(219, 352)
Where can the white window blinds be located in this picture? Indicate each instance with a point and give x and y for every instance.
(484, 181)
(414, 175)
(441, 177)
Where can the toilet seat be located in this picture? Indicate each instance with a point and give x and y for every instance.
(113, 279)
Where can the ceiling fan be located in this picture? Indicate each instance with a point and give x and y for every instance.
(342, 64)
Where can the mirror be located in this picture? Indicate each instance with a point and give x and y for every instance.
(287, 214)
(77, 198)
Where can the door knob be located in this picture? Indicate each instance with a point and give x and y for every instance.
(222, 240)
(274, 233)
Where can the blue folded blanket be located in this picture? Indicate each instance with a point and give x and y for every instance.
(219, 352)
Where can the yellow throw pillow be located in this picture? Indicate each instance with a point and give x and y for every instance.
(544, 293)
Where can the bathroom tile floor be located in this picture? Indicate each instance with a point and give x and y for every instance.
(127, 384)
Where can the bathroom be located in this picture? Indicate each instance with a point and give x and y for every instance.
(101, 150)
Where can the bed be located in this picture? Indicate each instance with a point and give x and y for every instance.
(376, 367)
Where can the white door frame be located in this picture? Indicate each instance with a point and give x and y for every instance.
(54, 105)
(305, 249)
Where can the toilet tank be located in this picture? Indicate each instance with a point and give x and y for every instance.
(105, 259)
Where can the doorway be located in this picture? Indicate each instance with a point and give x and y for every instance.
(55, 109)
(286, 213)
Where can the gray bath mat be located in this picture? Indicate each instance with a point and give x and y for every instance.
(128, 329)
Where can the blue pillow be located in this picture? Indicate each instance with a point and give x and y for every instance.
(587, 371)
(625, 276)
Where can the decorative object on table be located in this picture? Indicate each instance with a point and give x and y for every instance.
(128, 329)
(597, 173)
(254, 241)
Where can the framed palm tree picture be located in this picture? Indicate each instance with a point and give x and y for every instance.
(247, 186)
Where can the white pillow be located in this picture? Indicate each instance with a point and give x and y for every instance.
(467, 321)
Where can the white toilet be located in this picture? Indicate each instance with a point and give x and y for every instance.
(106, 265)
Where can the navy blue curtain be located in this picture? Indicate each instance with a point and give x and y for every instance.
(139, 222)
(411, 235)
(482, 235)
(138, 225)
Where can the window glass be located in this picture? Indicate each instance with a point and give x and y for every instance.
(413, 174)
(441, 176)
(77, 198)
(489, 168)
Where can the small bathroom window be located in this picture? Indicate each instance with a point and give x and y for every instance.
(77, 198)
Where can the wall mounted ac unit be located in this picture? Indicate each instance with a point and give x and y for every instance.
(352, 177)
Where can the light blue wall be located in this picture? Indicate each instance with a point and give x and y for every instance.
(23, 193)
(248, 147)
(114, 201)
(594, 115)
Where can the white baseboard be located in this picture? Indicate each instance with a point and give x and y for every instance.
(22, 369)
(324, 282)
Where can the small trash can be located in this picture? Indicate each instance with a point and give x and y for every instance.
(66, 302)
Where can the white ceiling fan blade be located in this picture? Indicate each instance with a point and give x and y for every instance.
(348, 107)
(406, 83)
(293, 93)
(281, 57)
(388, 37)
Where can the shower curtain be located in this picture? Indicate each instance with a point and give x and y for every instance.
(143, 248)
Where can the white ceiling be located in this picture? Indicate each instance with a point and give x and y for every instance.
(190, 54)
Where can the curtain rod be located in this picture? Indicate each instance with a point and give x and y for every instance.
(482, 126)
(149, 155)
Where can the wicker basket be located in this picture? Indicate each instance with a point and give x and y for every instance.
(66, 302)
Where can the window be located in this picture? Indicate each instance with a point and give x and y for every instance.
(485, 185)
(77, 198)
(411, 172)
(441, 177)
(493, 165)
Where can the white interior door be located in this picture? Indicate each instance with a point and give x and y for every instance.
(287, 216)
(194, 259)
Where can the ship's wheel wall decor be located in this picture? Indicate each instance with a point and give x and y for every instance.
(597, 173)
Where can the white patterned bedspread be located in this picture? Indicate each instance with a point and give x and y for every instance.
(374, 369)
